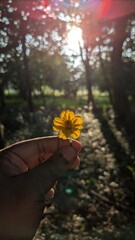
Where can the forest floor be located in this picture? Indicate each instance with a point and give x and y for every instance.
(95, 201)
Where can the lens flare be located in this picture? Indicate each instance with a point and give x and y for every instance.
(70, 3)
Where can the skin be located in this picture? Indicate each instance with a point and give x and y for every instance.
(28, 172)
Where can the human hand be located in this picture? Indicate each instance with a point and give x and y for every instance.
(28, 172)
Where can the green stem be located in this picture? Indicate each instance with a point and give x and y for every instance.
(70, 140)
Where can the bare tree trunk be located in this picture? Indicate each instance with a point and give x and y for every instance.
(2, 140)
(108, 84)
(90, 99)
(121, 104)
(27, 77)
(2, 100)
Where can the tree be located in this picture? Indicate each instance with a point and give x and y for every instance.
(48, 69)
(110, 27)
(88, 74)
(26, 25)
(118, 80)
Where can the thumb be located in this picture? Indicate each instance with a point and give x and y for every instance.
(41, 179)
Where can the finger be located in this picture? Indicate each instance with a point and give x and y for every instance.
(76, 163)
(29, 154)
(49, 195)
(41, 179)
(11, 164)
(47, 146)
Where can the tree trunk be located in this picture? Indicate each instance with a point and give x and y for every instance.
(2, 140)
(2, 100)
(121, 104)
(108, 85)
(27, 76)
(90, 99)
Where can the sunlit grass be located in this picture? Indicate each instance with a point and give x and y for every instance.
(57, 98)
(101, 99)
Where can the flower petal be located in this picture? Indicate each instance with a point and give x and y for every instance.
(67, 115)
(76, 127)
(71, 115)
(78, 120)
(62, 115)
(58, 128)
(75, 134)
(58, 122)
(62, 135)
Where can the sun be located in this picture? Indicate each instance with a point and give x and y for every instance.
(74, 38)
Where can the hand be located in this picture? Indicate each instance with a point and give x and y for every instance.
(28, 172)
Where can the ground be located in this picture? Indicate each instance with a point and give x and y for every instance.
(95, 202)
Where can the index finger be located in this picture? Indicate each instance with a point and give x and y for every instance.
(53, 144)
(28, 154)
(43, 148)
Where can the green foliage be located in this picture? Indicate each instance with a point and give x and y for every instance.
(132, 170)
(48, 69)
(102, 99)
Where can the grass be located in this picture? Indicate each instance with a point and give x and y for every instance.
(61, 101)
(101, 99)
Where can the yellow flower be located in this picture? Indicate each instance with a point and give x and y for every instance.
(68, 125)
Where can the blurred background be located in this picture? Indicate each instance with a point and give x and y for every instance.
(77, 55)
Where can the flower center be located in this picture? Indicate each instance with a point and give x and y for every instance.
(68, 125)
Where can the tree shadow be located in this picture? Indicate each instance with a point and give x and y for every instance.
(128, 126)
(123, 159)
